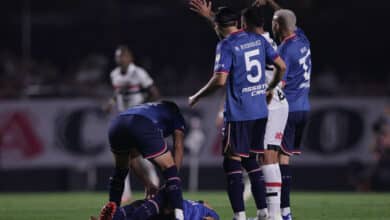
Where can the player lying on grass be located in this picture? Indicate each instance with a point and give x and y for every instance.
(141, 130)
(157, 208)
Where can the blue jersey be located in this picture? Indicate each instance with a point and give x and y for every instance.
(244, 56)
(295, 51)
(197, 211)
(163, 115)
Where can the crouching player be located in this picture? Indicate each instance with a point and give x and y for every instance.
(141, 130)
(157, 208)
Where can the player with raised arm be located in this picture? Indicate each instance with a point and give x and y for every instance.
(253, 19)
(141, 130)
(130, 82)
(157, 208)
(295, 50)
(240, 63)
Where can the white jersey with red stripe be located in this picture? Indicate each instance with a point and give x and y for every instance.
(278, 98)
(129, 86)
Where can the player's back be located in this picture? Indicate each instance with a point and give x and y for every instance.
(165, 115)
(244, 56)
(297, 55)
(197, 211)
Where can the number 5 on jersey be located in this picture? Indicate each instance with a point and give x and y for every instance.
(250, 62)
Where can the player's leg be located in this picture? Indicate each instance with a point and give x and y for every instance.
(253, 168)
(290, 145)
(232, 148)
(173, 182)
(118, 138)
(285, 170)
(277, 119)
(255, 174)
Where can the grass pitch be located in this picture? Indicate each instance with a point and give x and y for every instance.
(307, 205)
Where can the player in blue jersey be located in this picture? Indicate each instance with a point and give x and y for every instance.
(295, 51)
(240, 65)
(141, 130)
(157, 208)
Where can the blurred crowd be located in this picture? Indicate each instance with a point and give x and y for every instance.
(90, 78)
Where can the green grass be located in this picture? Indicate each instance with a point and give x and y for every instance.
(308, 206)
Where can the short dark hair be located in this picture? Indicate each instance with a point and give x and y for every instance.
(172, 106)
(226, 17)
(254, 16)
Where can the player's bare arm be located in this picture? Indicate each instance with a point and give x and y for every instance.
(203, 8)
(178, 143)
(217, 81)
(280, 66)
(275, 6)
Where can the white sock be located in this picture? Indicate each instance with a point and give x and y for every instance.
(179, 215)
(273, 186)
(262, 214)
(286, 211)
(240, 215)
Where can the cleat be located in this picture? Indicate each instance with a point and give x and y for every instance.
(108, 211)
(287, 217)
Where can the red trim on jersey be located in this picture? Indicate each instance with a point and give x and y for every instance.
(222, 72)
(289, 38)
(273, 184)
(128, 86)
(237, 32)
(158, 153)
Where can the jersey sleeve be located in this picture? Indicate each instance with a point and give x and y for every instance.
(270, 53)
(223, 58)
(179, 123)
(145, 80)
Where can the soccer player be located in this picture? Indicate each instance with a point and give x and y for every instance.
(141, 130)
(240, 64)
(157, 208)
(130, 82)
(277, 118)
(295, 50)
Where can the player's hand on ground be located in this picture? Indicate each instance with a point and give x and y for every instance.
(192, 100)
(151, 191)
(259, 3)
(202, 7)
(208, 218)
(92, 218)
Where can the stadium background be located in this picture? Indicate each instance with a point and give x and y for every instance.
(55, 59)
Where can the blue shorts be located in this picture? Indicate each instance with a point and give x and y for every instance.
(240, 138)
(293, 132)
(136, 132)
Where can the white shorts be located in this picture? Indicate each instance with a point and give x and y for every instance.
(277, 119)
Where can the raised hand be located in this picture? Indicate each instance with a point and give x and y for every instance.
(202, 7)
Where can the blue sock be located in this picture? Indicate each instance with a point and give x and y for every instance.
(257, 181)
(116, 185)
(173, 188)
(285, 170)
(235, 186)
